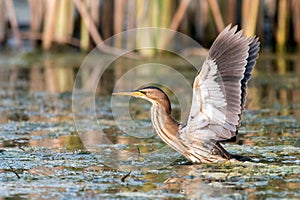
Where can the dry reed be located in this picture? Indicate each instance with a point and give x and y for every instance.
(281, 33)
(13, 22)
(2, 22)
(55, 20)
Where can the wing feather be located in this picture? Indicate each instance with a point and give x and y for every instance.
(219, 90)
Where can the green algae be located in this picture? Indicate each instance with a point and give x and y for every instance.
(42, 156)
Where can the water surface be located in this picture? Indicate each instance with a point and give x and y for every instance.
(42, 156)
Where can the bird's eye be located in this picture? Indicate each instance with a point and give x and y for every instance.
(143, 92)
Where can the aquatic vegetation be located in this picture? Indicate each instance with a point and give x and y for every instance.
(42, 156)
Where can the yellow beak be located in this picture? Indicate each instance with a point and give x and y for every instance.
(134, 93)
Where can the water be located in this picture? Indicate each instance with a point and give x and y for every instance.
(42, 155)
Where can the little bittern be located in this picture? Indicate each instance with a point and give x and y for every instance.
(219, 94)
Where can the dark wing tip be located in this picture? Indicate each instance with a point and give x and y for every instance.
(254, 46)
(253, 53)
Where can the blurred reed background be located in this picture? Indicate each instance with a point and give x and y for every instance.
(84, 23)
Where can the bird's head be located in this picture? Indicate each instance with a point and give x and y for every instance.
(150, 93)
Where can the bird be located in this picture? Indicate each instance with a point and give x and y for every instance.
(218, 101)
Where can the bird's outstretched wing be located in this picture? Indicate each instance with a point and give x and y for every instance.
(219, 89)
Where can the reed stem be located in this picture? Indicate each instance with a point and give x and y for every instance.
(36, 17)
(281, 32)
(119, 8)
(250, 14)
(216, 14)
(176, 20)
(296, 20)
(13, 22)
(84, 30)
(49, 24)
(2, 22)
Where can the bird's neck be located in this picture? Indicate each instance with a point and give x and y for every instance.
(165, 126)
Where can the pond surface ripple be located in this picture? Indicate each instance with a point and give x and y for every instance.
(42, 156)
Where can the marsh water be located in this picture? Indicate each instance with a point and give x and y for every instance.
(43, 156)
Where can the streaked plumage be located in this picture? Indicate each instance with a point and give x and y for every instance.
(219, 94)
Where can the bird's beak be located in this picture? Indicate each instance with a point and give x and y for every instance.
(134, 93)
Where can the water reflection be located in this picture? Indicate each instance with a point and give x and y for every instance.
(274, 80)
(276, 85)
(191, 182)
(231, 180)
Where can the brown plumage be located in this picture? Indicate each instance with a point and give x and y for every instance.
(219, 94)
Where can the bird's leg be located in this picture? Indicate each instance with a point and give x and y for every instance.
(222, 152)
(219, 150)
